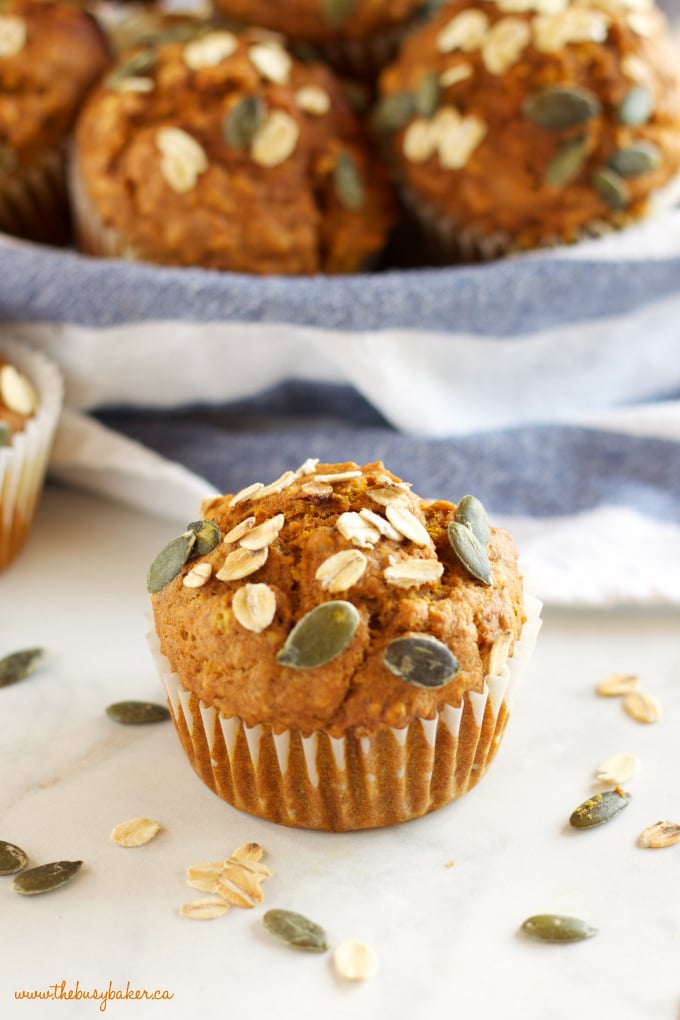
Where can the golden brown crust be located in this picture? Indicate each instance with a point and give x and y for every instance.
(55, 54)
(513, 176)
(270, 206)
(236, 670)
(321, 21)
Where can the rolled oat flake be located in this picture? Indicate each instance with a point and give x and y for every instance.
(46, 877)
(12, 858)
(557, 928)
(297, 930)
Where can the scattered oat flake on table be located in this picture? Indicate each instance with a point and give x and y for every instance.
(237, 880)
(618, 769)
(617, 684)
(204, 876)
(135, 832)
(660, 834)
(204, 910)
(642, 707)
(355, 961)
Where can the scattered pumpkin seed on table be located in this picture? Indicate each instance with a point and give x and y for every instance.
(137, 713)
(12, 858)
(296, 930)
(18, 665)
(557, 928)
(45, 877)
(600, 808)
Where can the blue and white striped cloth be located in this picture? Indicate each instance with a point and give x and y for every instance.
(547, 384)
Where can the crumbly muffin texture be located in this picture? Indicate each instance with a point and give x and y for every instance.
(534, 122)
(334, 599)
(223, 151)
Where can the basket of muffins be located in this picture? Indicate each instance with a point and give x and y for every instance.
(339, 653)
(301, 138)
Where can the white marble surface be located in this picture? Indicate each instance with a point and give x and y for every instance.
(447, 936)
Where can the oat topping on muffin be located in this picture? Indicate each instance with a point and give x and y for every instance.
(513, 124)
(224, 151)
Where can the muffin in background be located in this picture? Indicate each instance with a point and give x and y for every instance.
(338, 653)
(356, 36)
(511, 126)
(225, 152)
(31, 394)
(50, 56)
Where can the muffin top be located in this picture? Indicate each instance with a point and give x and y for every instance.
(50, 55)
(18, 401)
(334, 598)
(535, 119)
(322, 21)
(223, 151)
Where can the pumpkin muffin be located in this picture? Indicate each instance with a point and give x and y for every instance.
(355, 35)
(225, 152)
(512, 125)
(50, 56)
(337, 652)
(31, 391)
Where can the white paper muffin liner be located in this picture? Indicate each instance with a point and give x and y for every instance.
(316, 781)
(447, 241)
(23, 464)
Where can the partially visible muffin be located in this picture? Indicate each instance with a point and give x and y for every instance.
(227, 153)
(514, 125)
(31, 392)
(338, 652)
(355, 35)
(50, 56)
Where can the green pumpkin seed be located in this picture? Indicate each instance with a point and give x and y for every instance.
(336, 12)
(558, 107)
(347, 182)
(137, 713)
(137, 65)
(19, 665)
(600, 808)
(428, 95)
(170, 561)
(12, 858)
(297, 930)
(566, 164)
(5, 430)
(207, 534)
(611, 188)
(243, 121)
(320, 635)
(393, 112)
(557, 928)
(638, 158)
(470, 551)
(422, 661)
(45, 877)
(470, 512)
(8, 159)
(636, 107)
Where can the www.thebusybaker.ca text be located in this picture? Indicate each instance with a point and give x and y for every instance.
(63, 991)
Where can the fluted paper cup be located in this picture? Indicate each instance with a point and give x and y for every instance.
(316, 781)
(23, 464)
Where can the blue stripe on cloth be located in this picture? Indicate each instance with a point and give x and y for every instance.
(536, 471)
(513, 297)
